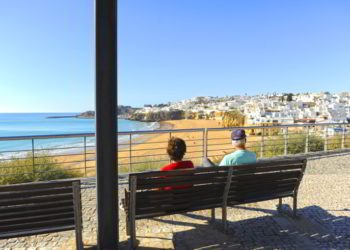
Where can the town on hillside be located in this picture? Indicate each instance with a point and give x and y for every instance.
(258, 110)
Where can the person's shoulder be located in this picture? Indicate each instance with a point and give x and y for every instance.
(233, 154)
(168, 167)
(188, 164)
(229, 159)
(223, 162)
(252, 153)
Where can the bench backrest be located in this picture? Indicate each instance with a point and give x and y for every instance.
(265, 180)
(201, 188)
(29, 209)
(212, 187)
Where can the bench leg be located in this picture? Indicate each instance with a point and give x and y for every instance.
(279, 206)
(224, 218)
(127, 226)
(79, 240)
(132, 230)
(78, 216)
(213, 215)
(295, 200)
(132, 213)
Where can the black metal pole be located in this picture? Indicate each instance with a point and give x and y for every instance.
(106, 131)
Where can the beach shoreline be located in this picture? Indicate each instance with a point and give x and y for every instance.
(144, 147)
(151, 147)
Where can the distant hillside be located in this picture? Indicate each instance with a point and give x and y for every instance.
(86, 115)
(125, 111)
(158, 116)
(122, 112)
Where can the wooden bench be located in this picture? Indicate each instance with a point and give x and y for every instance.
(38, 208)
(209, 188)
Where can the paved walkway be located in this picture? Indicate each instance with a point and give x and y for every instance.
(324, 222)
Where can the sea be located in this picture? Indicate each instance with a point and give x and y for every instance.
(30, 124)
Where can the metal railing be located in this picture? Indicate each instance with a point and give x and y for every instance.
(37, 157)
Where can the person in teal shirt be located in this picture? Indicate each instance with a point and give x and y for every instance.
(241, 155)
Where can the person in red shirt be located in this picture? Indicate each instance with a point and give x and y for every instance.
(176, 150)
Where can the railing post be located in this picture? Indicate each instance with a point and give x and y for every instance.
(33, 157)
(286, 141)
(85, 170)
(326, 139)
(169, 139)
(205, 143)
(130, 152)
(343, 137)
(307, 139)
(262, 143)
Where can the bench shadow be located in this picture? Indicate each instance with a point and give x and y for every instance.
(314, 227)
(125, 245)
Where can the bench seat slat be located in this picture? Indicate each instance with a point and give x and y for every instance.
(34, 212)
(35, 192)
(160, 198)
(21, 233)
(257, 194)
(170, 183)
(266, 176)
(182, 172)
(156, 192)
(261, 185)
(267, 169)
(183, 199)
(35, 218)
(268, 164)
(178, 211)
(43, 205)
(258, 181)
(189, 206)
(38, 224)
(248, 200)
(189, 182)
(195, 201)
(39, 199)
(33, 186)
(167, 179)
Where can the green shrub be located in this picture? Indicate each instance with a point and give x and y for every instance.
(16, 170)
(149, 163)
(274, 146)
(141, 164)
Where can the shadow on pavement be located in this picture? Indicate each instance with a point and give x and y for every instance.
(314, 228)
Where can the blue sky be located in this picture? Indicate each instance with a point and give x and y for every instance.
(172, 50)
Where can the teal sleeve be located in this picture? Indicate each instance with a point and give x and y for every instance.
(223, 162)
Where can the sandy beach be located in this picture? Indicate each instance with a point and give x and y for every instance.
(148, 151)
(152, 147)
(149, 148)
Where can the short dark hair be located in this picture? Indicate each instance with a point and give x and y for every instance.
(176, 148)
